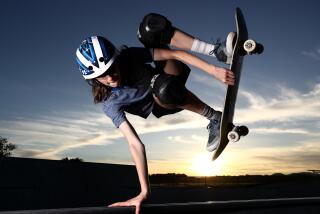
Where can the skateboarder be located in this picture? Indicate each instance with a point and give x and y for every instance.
(124, 81)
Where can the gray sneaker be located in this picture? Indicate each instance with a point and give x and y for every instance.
(223, 50)
(214, 132)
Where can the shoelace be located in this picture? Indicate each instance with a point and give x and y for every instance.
(212, 123)
(218, 44)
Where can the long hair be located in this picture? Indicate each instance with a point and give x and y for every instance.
(99, 91)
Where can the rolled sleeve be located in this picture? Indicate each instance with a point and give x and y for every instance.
(118, 119)
(117, 115)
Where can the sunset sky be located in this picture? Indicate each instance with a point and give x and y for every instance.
(47, 110)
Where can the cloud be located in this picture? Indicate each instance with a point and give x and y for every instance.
(288, 105)
(299, 157)
(58, 132)
(268, 131)
(290, 159)
(180, 121)
(313, 54)
(239, 159)
(178, 139)
(52, 135)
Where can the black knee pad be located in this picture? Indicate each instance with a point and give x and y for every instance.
(155, 31)
(169, 89)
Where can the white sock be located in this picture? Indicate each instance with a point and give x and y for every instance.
(202, 47)
(208, 112)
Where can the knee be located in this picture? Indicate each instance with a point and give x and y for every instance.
(155, 30)
(169, 89)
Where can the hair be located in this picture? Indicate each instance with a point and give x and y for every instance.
(99, 91)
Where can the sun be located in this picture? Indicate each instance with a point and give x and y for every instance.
(202, 165)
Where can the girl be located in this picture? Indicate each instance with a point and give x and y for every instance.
(124, 81)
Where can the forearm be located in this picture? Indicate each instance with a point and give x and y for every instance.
(224, 75)
(138, 153)
(180, 55)
(194, 61)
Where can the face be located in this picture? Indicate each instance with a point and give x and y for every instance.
(111, 78)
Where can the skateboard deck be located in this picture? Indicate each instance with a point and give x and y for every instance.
(241, 48)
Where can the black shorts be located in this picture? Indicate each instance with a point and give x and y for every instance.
(160, 111)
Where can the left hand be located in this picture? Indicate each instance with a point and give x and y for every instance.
(136, 201)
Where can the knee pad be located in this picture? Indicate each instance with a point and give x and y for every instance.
(169, 89)
(155, 31)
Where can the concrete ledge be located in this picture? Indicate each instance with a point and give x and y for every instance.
(30, 184)
(280, 205)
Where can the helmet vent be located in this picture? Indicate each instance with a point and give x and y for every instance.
(90, 68)
(101, 59)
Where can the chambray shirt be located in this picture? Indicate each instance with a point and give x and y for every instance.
(134, 95)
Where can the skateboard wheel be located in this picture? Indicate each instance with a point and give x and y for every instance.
(237, 131)
(249, 46)
(233, 136)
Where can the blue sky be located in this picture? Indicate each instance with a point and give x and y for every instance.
(47, 111)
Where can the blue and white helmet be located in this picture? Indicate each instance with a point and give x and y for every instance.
(95, 56)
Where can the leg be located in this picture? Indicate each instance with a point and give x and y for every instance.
(169, 92)
(157, 31)
(193, 103)
(221, 50)
(182, 40)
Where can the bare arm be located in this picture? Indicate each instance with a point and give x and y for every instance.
(138, 154)
(222, 74)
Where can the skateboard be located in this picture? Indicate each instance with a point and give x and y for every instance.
(243, 46)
